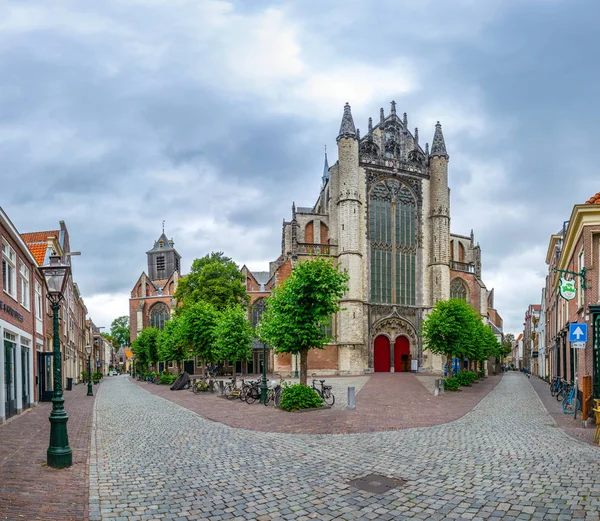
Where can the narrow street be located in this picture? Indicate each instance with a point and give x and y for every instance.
(506, 459)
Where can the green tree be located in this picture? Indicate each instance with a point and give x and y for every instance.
(452, 329)
(233, 335)
(171, 343)
(299, 311)
(145, 348)
(214, 279)
(119, 330)
(198, 323)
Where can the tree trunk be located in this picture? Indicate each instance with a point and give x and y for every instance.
(303, 366)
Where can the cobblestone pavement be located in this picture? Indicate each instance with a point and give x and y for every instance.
(386, 402)
(152, 459)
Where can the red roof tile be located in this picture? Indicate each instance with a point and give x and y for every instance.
(595, 199)
(37, 242)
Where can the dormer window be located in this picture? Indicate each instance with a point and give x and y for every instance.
(161, 244)
(160, 263)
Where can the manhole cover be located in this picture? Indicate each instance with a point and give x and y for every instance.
(376, 483)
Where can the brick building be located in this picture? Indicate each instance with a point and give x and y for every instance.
(383, 213)
(576, 249)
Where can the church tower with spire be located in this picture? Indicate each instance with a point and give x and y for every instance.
(383, 215)
(439, 218)
(348, 200)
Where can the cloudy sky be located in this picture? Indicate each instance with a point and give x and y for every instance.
(212, 116)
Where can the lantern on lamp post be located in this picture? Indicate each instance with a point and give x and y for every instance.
(59, 454)
(88, 350)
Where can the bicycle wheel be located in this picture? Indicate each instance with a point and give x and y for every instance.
(328, 397)
(251, 395)
(318, 391)
(196, 388)
(569, 404)
(277, 398)
(268, 397)
(560, 395)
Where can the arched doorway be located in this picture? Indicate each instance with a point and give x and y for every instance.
(402, 356)
(381, 358)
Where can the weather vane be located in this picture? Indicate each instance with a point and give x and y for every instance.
(163, 223)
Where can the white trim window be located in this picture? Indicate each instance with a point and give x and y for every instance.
(9, 270)
(24, 283)
(39, 310)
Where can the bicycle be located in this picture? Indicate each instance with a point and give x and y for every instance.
(274, 394)
(563, 390)
(251, 392)
(201, 385)
(554, 386)
(232, 391)
(571, 404)
(324, 392)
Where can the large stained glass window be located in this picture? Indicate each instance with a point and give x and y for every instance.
(159, 314)
(392, 234)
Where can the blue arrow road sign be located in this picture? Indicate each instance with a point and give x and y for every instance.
(577, 332)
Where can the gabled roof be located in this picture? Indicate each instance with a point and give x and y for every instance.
(37, 242)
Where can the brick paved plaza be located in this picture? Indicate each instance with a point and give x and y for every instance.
(506, 459)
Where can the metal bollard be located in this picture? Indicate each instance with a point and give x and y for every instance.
(436, 387)
(442, 383)
(351, 398)
(221, 387)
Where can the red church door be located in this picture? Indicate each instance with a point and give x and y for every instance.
(381, 355)
(401, 355)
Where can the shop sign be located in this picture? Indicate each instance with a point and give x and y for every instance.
(567, 289)
(12, 312)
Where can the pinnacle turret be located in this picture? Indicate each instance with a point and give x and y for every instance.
(347, 128)
(438, 146)
(325, 177)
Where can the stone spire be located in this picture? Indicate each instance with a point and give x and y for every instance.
(358, 134)
(405, 121)
(416, 138)
(325, 177)
(381, 116)
(438, 147)
(347, 128)
(370, 126)
(427, 149)
(393, 108)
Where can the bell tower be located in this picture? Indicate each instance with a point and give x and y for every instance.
(163, 259)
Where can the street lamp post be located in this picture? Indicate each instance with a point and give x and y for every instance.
(296, 370)
(88, 350)
(59, 454)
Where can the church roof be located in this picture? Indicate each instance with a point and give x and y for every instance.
(595, 199)
(162, 244)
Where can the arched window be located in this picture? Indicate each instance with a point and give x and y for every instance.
(461, 253)
(324, 234)
(393, 238)
(159, 314)
(309, 233)
(458, 289)
(258, 309)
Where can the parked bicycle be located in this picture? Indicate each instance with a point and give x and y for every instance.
(232, 390)
(571, 404)
(324, 392)
(555, 386)
(274, 393)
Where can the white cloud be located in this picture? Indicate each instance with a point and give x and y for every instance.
(103, 308)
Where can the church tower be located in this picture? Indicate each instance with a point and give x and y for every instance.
(163, 259)
(439, 218)
(350, 232)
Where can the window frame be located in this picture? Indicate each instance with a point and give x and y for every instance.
(24, 285)
(9, 269)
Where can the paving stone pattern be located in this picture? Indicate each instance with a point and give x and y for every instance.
(153, 459)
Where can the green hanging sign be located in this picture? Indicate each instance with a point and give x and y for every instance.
(567, 289)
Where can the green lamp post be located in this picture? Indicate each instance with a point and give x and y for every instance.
(296, 370)
(88, 350)
(59, 454)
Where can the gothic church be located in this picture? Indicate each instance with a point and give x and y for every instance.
(383, 213)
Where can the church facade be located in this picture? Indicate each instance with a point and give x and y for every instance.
(383, 213)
